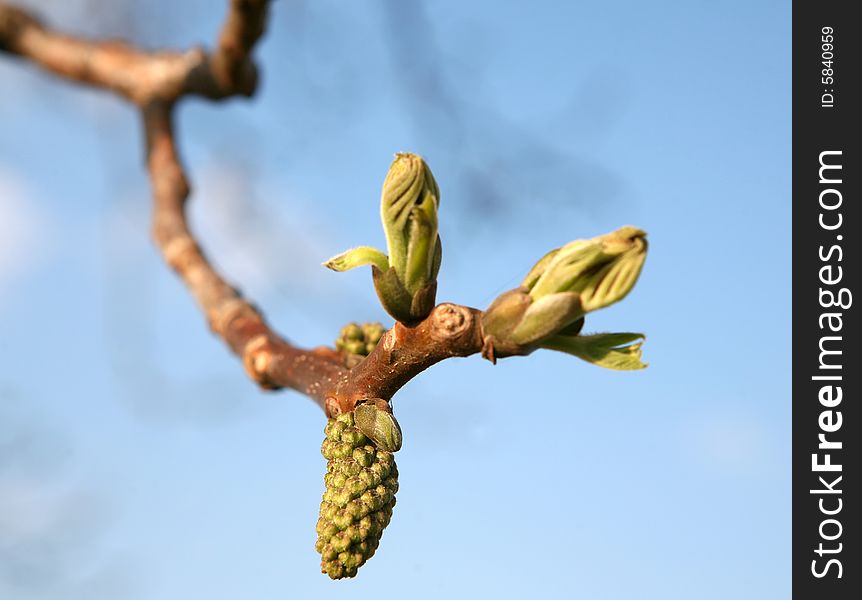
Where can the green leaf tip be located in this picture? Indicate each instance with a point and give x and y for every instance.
(357, 257)
(618, 351)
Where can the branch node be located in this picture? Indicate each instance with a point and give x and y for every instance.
(451, 320)
(256, 359)
(390, 339)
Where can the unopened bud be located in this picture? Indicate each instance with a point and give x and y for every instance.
(602, 270)
(406, 279)
(561, 288)
(408, 209)
(378, 424)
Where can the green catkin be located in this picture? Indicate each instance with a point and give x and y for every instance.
(361, 481)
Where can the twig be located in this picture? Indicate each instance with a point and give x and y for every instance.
(138, 76)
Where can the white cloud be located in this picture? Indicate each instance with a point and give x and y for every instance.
(26, 512)
(52, 529)
(48, 542)
(23, 229)
(255, 248)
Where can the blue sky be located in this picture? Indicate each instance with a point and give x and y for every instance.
(136, 461)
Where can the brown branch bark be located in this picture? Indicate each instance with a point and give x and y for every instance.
(404, 352)
(268, 360)
(155, 81)
(138, 76)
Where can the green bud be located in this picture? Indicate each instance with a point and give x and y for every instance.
(379, 425)
(393, 296)
(614, 281)
(546, 316)
(514, 319)
(505, 312)
(538, 269)
(406, 279)
(408, 209)
(559, 290)
(619, 351)
(602, 270)
(400, 303)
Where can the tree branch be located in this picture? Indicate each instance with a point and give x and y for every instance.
(138, 76)
(155, 81)
(268, 360)
(404, 352)
(231, 65)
